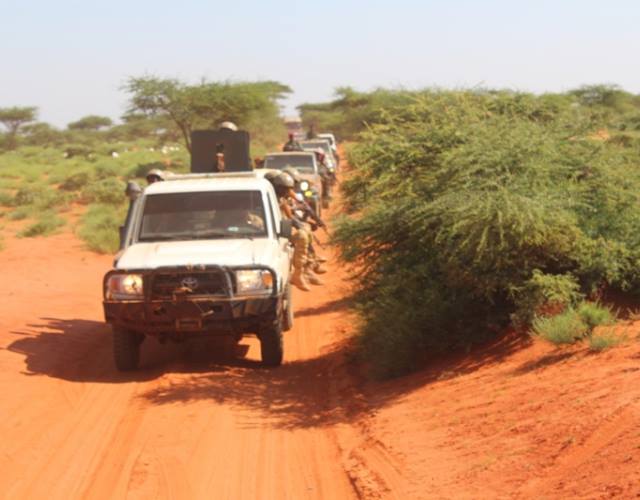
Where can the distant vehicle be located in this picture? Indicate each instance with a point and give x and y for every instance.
(313, 144)
(332, 140)
(202, 254)
(307, 166)
(324, 144)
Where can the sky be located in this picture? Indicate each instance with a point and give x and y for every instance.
(71, 58)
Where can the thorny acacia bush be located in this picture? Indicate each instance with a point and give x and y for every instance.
(471, 210)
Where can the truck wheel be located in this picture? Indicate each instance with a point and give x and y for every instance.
(126, 349)
(287, 322)
(271, 345)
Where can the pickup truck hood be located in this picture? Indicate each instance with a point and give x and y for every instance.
(223, 252)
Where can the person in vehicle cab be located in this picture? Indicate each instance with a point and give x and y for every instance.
(292, 144)
(301, 239)
(239, 220)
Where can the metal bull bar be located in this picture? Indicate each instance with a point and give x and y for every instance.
(183, 309)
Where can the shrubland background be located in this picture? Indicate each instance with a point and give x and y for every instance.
(51, 177)
(469, 212)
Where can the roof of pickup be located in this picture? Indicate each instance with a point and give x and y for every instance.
(290, 153)
(192, 183)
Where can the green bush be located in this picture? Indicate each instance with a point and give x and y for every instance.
(602, 341)
(106, 191)
(27, 196)
(76, 181)
(99, 227)
(6, 199)
(20, 213)
(593, 314)
(501, 207)
(544, 294)
(40, 197)
(46, 224)
(105, 169)
(565, 328)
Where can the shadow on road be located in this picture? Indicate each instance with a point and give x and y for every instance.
(329, 307)
(300, 394)
(291, 396)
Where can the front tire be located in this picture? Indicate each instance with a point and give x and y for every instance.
(271, 348)
(126, 349)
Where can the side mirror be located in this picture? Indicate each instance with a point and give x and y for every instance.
(286, 228)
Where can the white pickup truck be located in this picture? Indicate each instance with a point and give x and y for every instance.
(202, 254)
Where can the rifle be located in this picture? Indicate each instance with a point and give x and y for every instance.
(311, 213)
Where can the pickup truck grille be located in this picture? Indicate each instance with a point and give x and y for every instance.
(165, 285)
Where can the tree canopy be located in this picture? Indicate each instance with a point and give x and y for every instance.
(15, 117)
(91, 123)
(205, 104)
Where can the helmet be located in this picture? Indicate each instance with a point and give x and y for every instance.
(280, 179)
(229, 126)
(154, 175)
(293, 172)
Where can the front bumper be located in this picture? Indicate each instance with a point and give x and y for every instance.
(182, 314)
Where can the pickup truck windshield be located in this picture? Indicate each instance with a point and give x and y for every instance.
(205, 215)
(303, 162)
(309, 145)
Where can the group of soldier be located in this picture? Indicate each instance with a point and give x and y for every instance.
(307, 263)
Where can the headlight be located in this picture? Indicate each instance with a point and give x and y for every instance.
(304, 186)
(124, 287)
(253, 281)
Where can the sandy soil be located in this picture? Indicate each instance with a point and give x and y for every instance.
(512, 420)
(517, 419)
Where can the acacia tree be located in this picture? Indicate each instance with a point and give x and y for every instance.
(15, 117)
(91, 123)
(205, 104)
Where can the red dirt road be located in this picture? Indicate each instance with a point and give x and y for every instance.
(187, 425)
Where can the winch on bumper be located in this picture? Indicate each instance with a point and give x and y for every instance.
(200, 299)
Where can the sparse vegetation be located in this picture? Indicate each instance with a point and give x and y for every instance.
(594, 314)
(564, 328)
(601, 341)
(99, 227)
(46, 224)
